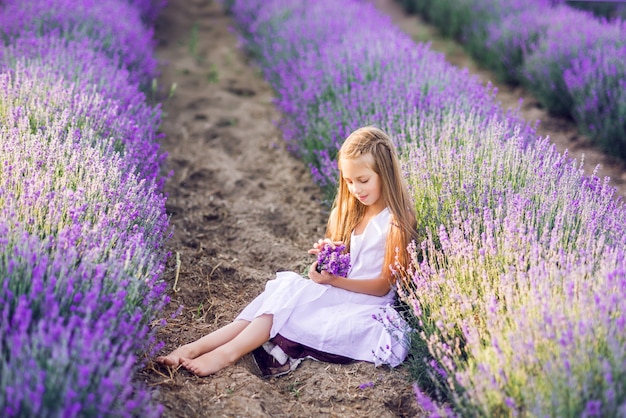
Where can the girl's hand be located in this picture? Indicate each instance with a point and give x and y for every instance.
(319, 245)
(321, 278)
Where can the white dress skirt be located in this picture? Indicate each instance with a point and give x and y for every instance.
(333, 320)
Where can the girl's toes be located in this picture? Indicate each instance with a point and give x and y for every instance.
(187, 364)
(166, 360)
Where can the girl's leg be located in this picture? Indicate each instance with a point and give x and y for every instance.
(205, 344)
(251, 337)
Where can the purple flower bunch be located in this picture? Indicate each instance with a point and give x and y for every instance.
(82, 213)
(517, 287)
(334, 260)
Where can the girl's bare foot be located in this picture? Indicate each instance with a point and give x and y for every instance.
(206, 364)
(173, 358)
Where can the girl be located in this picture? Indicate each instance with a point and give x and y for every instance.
(330, 318)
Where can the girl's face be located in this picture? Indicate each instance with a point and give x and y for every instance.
(362, 181)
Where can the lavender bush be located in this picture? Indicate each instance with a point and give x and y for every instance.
(596, 82)
(502, 286)
(510, 39)
(113, 26)
(604, 9)
(82, 216)
(69, 335)
(476, 23)
(536, 43)
(517, 288)
(571, 34)
(115, 114)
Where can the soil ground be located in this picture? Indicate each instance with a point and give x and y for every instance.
(243, 208)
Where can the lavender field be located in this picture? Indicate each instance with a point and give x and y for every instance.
(517, 290)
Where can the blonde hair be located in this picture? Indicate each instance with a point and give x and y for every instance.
(348, 211)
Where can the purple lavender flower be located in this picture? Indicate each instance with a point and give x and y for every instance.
(333, 260)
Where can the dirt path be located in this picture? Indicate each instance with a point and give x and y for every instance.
(242, 209)
(562, 132)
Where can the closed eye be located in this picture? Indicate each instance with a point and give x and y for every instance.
(357, 180)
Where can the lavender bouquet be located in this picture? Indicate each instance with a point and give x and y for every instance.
(333, 260)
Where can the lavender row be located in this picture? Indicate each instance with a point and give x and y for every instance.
(517, 287)
(569, 58)
(113, 28)
(82, 213)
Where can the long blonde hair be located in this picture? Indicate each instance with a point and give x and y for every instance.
(348, 211)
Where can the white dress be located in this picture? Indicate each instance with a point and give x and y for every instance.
(334, 320)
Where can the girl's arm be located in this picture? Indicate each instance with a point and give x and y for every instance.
(378, 286)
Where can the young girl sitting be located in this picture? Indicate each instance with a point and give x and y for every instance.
(330, 318)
